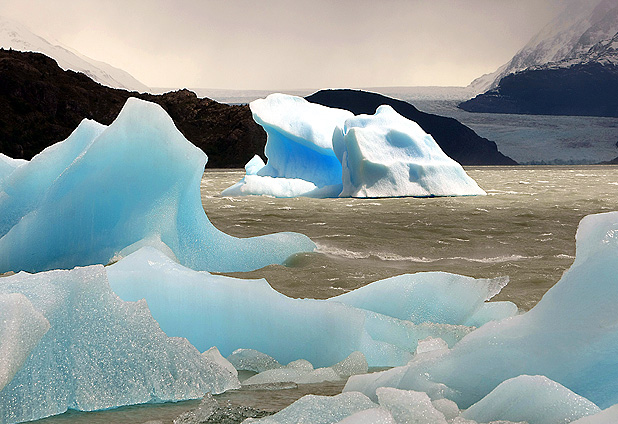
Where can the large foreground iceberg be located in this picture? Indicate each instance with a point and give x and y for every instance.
(570, 336)
(68, 342)
(137, 182)
(317, 151)
(231, 313)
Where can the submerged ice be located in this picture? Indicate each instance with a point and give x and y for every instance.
(83, 200)
(317, 151)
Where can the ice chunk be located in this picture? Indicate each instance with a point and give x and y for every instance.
(609, 415)
(430, 344)
(252, 360)
(232, 314)
(534, 399)
(8, 165)
(299, 138)
(316, 151)
(21, 328)
(387, 155)
(447, 407)
(99, 352)
(437, 297)
(312, 409)
(570, 336)
(215, 356)
(370, 416)
(85, 199)
(409, 407)
(492, 311)
(355, 363)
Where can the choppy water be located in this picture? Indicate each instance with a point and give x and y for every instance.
(525, 228)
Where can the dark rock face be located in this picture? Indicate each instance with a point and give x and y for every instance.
(456, 140)
(589, 89)
(40, 104)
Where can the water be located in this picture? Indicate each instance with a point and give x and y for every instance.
(525, 228)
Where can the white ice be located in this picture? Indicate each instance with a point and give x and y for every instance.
(316, 151)
(534, 399)
(98, 351)
(570, 336)
(387, 155)
(83, 200)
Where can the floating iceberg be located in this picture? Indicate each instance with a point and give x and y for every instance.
(230, 313)
(387, 155)
(85, 199)
(73, 344)
(570, 336)
(316, 151)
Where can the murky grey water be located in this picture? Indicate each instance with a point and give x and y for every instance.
(525, 228)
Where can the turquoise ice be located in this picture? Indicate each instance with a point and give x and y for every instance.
(136, 182)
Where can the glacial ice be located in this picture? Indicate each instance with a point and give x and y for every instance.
(316, 151)
(8, 165)
(98, 352)
(232, 315)
(83, 200)
(533, 399)
(387, 155)
(570, 336)
(252, 360)
(437, 297)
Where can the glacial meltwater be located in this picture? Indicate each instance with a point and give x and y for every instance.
(524, 228)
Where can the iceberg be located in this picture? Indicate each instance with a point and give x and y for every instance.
(8, 165)
(85, 199)
(570, 336)
(533, 399)
(73, 344)
(387, 155)
(316, 151)
(231, 313)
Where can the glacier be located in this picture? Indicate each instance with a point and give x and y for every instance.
(85, 199)
(231, 314)
(68, 342)
(317, 151)
(570, 336)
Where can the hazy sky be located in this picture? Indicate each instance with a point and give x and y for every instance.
(289, 44)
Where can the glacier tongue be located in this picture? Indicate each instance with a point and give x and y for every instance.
(85, 199)
(99, 352)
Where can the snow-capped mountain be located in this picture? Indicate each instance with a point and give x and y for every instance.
(568, 39)
(17, 37)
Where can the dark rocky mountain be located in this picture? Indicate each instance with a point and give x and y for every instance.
(586, 89)
(456, 140)
(40, 104)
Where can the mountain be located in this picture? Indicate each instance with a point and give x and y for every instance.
(456, 140)
(577, 29)
(16, 36)
(41, 104)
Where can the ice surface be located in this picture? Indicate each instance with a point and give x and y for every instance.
(430, 344)
(99, 352)
(570, 336)
(355, 363)
(8, 165)
(21, 328)
(252, 360)
(449, 409)
(387, 155)
(215, 356)
(608, 416)
(85, 199)
(370, 416)
(234, 313)
(534, 399)
(312, 409)
(316, 151)
(437, 297)
(409, 407)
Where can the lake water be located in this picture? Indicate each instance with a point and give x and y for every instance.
(524, 228)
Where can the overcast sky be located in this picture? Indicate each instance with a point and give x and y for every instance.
(285, 44)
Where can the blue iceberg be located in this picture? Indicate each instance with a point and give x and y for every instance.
(316, 151)
(231, 313)
(71, 343)
(136, 182)
(570, 336)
